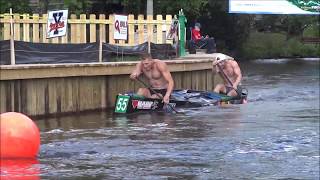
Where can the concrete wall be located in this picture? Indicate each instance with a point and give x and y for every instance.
(70, 88)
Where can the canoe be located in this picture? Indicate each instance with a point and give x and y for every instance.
(130, 102)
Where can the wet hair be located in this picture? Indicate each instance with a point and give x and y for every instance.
(145, 56)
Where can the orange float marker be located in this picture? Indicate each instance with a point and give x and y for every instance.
(20, 137)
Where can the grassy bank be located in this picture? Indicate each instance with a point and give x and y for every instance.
(276, 45)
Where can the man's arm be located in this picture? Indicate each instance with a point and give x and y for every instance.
(137, 71)
(237, 73)
(163, 68)
(215, 67)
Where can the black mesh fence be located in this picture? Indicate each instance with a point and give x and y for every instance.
(44, 53)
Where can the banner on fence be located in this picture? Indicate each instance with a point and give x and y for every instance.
(57, 23)
(120, 27)
(274, 6)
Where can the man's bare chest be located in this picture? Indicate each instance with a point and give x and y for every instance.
(228, 70)
(153, 74)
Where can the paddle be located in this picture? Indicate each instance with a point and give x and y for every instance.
(149, 87)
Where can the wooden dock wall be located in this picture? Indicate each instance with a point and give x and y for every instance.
(70, 88)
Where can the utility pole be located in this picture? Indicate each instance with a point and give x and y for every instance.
(149, 13)
(149, 7)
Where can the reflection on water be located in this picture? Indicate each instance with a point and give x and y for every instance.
(19, 169)
(274, 136)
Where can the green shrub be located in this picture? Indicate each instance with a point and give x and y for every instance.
(275, 45)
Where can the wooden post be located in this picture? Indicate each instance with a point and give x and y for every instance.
(44, 28)
(16, 27)
(83, 31)
(159, 29)
(93, 30)
(168, 25)
(111, 29)
(7, 27)
(102, 28)
(131, 30)
(140, 29)
(12, 55)
(35, 28)
(73, 28)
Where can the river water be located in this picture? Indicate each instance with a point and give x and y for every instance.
(274, 136)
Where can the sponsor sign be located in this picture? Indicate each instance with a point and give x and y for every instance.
(136, 104)
(274, 6)
(57, 23)
(120, 27)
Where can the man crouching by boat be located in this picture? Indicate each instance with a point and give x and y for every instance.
(158, 75)
(230, 72)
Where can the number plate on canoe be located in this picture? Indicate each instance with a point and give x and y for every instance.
(122, 104)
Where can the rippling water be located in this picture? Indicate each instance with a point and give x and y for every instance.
(274, 136)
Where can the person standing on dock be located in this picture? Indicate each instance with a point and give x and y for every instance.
(230, 72)
(158, 75)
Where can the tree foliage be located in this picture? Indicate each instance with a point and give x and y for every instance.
(18, 6)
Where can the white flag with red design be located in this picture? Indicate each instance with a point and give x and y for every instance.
(57, 23)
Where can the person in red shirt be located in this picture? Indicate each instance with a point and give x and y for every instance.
(199, 41)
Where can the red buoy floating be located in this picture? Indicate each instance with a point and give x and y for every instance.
(20, 137)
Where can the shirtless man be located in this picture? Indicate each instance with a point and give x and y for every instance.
(231, 75)
(158, 75)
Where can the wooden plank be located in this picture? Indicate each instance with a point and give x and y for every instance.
(102, 29)
(82, 29)
(40, 95)
(104, 92)
(78, 33)
(141, 29)
(93, 30)
(168, 24)
(35, 28)
(26, 30)
(209, 80)
(55, 40)
(76, 98)
(96, 92)
(17, 95)
(111, 84)
(6, 28)
(150, 28)
(73, 29)
(52, 86)
(177, 77)
(111, 29)
(3, 98)
(65, 38)
(187, 80)
(68, 94)
(131, 30)
(86, 90)
(16, 27)
(44, 28)
(159, 29)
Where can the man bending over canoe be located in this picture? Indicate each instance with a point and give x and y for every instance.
(158, 75)
(230, 72)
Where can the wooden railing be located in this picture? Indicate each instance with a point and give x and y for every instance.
(83, 29)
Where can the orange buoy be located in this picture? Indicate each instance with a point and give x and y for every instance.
(20, 137)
